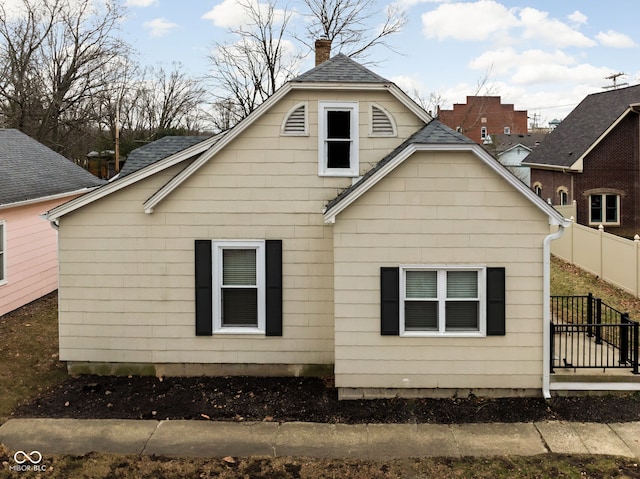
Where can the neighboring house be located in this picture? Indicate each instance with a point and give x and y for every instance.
(483, 116)
(338, 228)
(33, 180)
(511, 151)
(592, 157)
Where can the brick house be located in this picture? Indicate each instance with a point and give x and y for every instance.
(483, 116)
(593, 157)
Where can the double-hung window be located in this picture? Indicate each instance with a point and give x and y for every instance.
(338, 139)
(239, 286)
(604, 209)
(3, 261)
(442, 300)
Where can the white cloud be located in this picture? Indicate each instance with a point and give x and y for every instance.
(468, 21)
(159, 27)
(578, 17)
(538, 26)
(614, 39)
(505, 60)
(228, 13)
(231, 14)
(140, 3)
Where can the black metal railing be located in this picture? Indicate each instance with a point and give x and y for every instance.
(587, 333)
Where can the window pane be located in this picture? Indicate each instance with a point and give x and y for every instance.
(240, 307)
(1, 266)
(421, 316)
(612, 208)
(422, 284)
(238, 267)
(339, 124)
(338, 153)
(596, 208)
(462, 284)
(462, 316)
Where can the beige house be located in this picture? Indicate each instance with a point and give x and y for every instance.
(337, 228)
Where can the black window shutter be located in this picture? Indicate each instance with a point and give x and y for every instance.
(204, 288)
(274, 287)
(389, 301)
(496, 302)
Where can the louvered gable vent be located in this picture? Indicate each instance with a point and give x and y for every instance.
(296, 122)
(381, 123)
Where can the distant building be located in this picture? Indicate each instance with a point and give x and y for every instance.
(483, 116)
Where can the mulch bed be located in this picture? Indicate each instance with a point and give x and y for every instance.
(299, 399)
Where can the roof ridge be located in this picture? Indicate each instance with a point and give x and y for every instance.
(340, 68)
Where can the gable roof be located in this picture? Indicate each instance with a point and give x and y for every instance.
(575, 136)
(435, 136)
(504, 142)
(157, 150)
(30, 171)
(340, 69)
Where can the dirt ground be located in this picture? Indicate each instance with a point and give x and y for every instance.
(299, 399)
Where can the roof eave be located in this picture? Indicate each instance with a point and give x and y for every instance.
(43, 199)
(163, 192)
(131, 178)
(555, 218)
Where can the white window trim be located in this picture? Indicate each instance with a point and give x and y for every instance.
(3, 252)
(482, 298)
(218, 247)
(283, 131)
(323, 170)
(483, 133)
(604, 210)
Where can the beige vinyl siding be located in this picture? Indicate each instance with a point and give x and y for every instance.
(127, 278)
(438, 208)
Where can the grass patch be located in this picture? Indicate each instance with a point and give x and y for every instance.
(29, 352)
(568, 280)
(542, 466)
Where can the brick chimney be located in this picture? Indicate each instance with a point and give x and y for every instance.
(323, 50)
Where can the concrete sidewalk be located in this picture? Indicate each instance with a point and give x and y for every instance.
(366, 441)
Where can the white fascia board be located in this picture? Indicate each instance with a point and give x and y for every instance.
(132, 178)
(514, 147)
(555, 218)
(163, 192)
(177, 180)
(362, 188)
(580, 160)
(43, 199)
(392, 88)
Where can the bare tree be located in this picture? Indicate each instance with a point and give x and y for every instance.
(349, 24)
(255, 63)
(53, 50)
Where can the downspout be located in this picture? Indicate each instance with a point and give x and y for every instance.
(546, 315)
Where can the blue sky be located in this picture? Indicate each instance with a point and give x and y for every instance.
(543, 56)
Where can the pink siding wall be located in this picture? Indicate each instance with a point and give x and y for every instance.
(31, 255)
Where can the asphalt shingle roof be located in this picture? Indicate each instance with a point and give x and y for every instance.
(583, 126)
(340, 69)
(29, 170)
(433, 133)
(153, 152)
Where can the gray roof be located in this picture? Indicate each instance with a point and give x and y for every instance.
(29, 170)
(158, 150)
(433, 133)
(503, 142)
(583, 126)
(340, 69)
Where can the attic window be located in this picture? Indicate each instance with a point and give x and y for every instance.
(338, 139)
(295, 121)
(382, 123)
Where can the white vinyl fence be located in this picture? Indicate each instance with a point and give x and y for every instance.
(612, 258)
